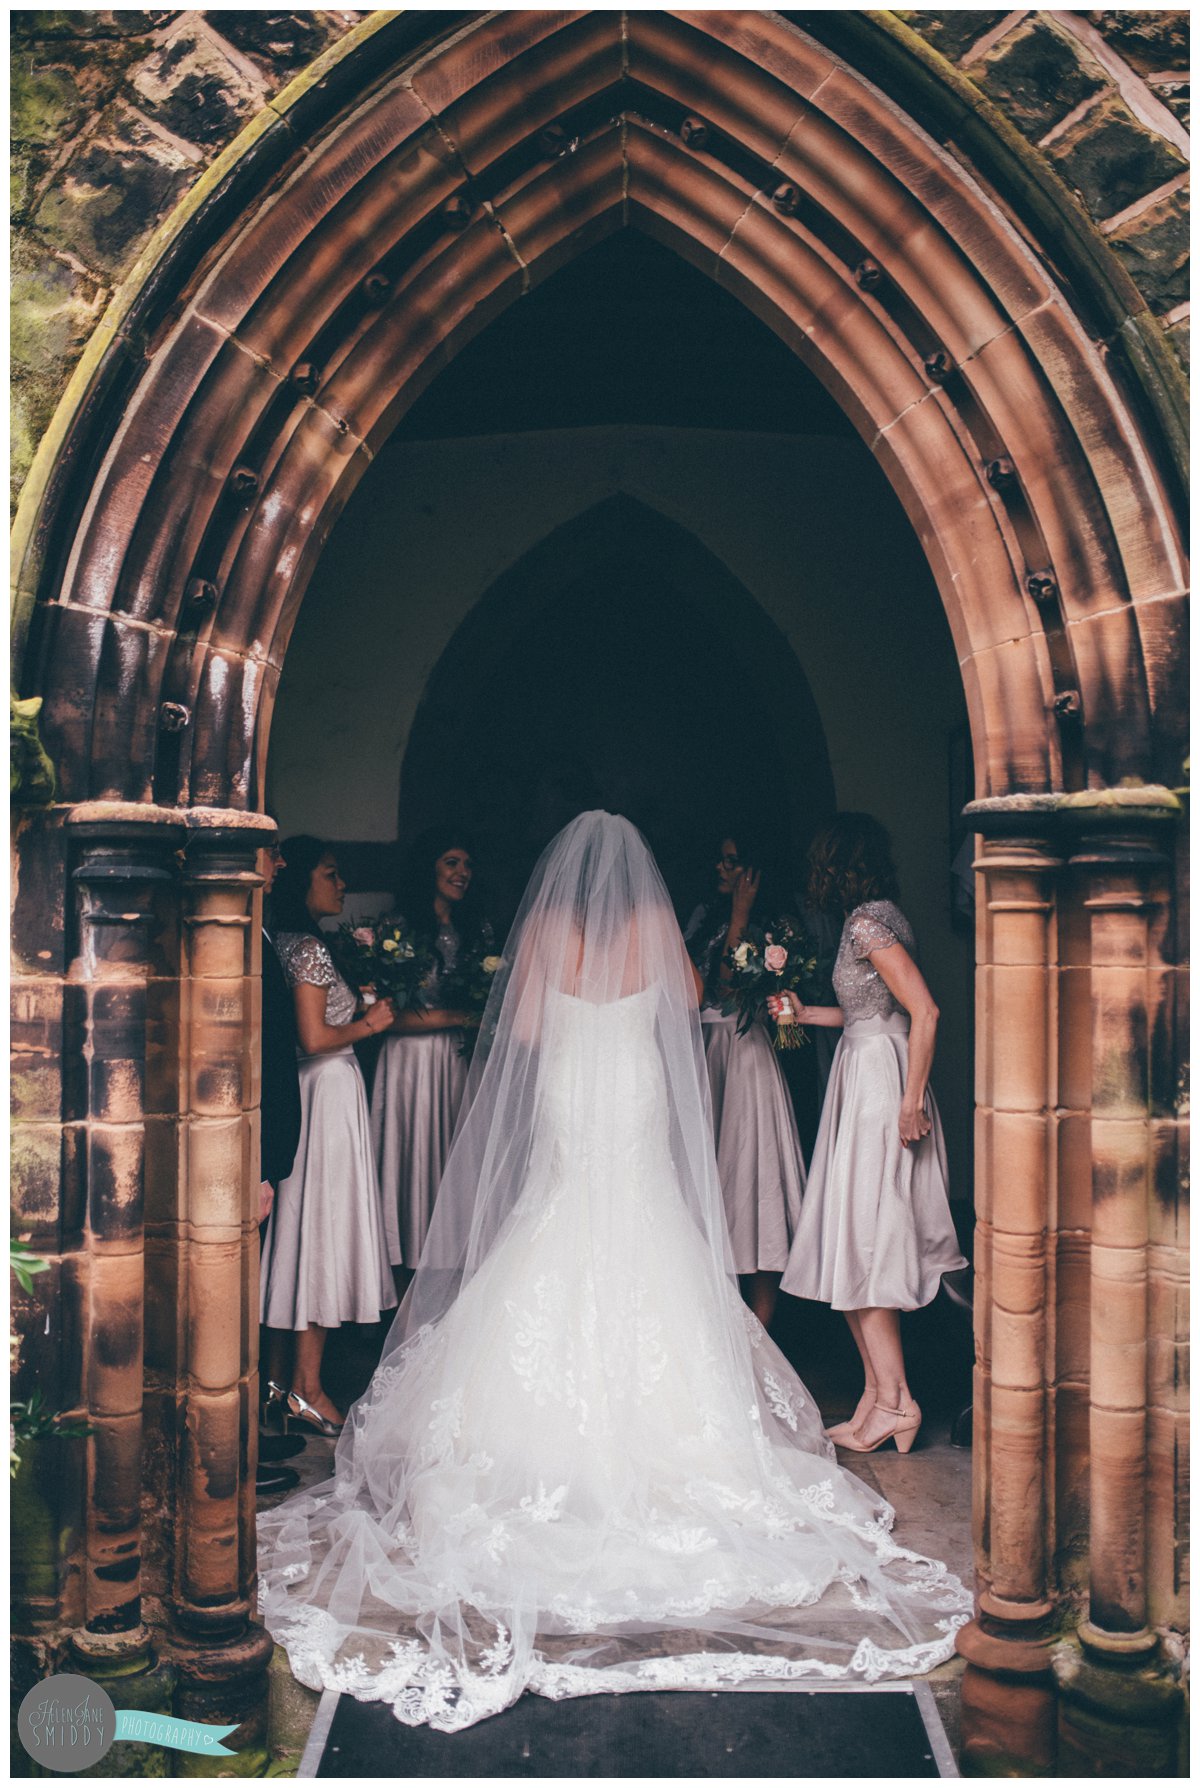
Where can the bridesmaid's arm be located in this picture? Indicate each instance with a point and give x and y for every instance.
(317, 1037)
(418, 1022)
(907, 984)
(785, 1008)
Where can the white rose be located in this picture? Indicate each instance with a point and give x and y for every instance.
(491, 963)
(741, 955)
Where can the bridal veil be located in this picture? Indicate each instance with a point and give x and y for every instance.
(582, 1466)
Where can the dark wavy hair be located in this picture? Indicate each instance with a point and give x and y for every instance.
(417, 887)
(289, 896)
(849, 861)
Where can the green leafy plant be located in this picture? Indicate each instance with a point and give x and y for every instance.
(31, 1417)
(25, 1264)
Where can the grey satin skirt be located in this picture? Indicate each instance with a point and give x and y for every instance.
(759, 1163)
(324, 1257)
(875, 1230)
(419, 1086)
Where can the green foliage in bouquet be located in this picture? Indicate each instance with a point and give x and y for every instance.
(385, 957)
(774, 958)
(468, 986)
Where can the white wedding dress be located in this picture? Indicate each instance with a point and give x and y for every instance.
(589, 1470)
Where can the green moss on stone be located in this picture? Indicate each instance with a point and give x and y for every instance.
(47, 106)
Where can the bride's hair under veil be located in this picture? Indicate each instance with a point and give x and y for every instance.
(582, 1466)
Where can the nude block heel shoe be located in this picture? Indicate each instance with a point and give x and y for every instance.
(903, 1431)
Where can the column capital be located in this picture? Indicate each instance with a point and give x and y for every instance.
(1057, 813)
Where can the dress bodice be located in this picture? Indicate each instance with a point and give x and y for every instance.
(306, 961)
(601, 1080)
(861, 990)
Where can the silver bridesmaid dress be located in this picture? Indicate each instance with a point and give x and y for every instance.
(415, 1099)
(324, 1257)
(875, 1230)
(759, 1163)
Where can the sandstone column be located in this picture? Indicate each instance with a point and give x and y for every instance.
(209, 1244)
(1120, 1700)
(1008, 1695)
(118, 1005)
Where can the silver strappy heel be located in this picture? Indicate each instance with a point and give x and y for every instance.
(306, 1417)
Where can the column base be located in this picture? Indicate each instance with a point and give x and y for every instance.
(126, 1667)
(1120, 1713)
(226, 1684)
(1008, 1700)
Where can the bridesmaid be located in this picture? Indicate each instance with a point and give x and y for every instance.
(422, 1072)
(875, 1234)
(759, 1161)
(324, 1258)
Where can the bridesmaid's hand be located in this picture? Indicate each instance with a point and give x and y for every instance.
(785, 1008)
(380, 1015)
(743, 895)
(914, 1123)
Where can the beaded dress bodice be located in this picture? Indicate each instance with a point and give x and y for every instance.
(307, 961)
(861, 990)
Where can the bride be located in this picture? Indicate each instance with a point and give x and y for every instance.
(582, 1466)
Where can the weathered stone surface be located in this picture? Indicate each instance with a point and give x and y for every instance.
(1155, 246)
(53, 308)
(1180, 337)
(85, 25)
(1037, 74)
(46, 103)
(281, 39)
(952, 32)
(1177, 96)
(112, 194)
(1111, 160)
(1148, 40)
(193, 87)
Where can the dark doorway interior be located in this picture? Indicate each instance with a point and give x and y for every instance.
(620, 666)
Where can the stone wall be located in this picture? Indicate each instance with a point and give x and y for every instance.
(1105, 97)
(116, 116)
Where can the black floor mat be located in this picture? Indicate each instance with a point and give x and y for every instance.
(877, 1735)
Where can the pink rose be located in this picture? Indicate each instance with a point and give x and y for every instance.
(364, 935)
(775, 959)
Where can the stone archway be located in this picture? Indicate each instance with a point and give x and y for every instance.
(187, 520)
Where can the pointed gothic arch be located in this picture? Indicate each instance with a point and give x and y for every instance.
(160, 577)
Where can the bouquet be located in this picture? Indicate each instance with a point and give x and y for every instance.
(468, 985)
(776, 958)
(384, 960)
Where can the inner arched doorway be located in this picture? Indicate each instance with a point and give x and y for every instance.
(617, 665)
(162, 575)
